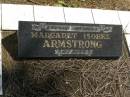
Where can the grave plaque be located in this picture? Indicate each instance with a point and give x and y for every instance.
(49, 39)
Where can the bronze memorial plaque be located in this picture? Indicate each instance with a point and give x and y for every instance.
(49, 39)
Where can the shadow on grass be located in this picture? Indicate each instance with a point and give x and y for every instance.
(25, 81)
(10, 43)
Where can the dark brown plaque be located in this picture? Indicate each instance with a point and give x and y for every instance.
(47, 39)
